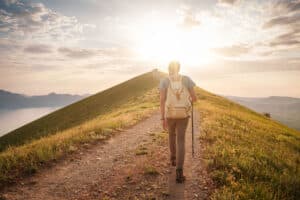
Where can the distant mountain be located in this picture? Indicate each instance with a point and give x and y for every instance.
(9, 100)
(283, 109)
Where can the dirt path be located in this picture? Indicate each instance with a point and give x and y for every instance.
(133, 164)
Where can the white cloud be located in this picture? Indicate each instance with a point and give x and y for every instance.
(188, 19)
(229, 2)
(38, 49)
(234, 50)
(34, 21)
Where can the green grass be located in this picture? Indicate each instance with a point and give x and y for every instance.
(249, 156)
(141, 150)
(159, 137)
(27, 158)
(81, 111)
(150, 170)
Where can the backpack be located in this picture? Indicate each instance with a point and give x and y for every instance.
(177, 104)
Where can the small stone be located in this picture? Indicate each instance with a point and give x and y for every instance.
(154, 186)
(165, 193)
(114, 194)
(137, 187)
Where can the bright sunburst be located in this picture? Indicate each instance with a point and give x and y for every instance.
(163, 43)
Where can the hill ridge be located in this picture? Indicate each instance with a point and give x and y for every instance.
(82, 110)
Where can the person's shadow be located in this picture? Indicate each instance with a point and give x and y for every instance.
(176, 190)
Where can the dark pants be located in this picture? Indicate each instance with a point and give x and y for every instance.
(177, 129)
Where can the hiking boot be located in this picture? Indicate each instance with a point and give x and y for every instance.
(173, 161)
(180, 178)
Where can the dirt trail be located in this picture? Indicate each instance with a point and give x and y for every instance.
(117, 169)
(198, 184)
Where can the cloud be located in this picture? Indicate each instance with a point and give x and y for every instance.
(283, 13)
(282, 21)
(18, 16)
(285, 43)
(38, 49)
(232, 51)
(291, 6)
(230, 66)
(285, 7)
(25, 19)
(287, 19)
(230, 2)
(291, 38)
(188, 18)
(117, 52)
(104, 53)
(77, 52)
(8, 45)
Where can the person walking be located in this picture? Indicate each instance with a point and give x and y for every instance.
(176, 97)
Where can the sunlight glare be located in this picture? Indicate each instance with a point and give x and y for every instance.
(161, 44)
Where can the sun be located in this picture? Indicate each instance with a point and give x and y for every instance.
(162, 43)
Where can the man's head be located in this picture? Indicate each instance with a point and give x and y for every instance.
(174, 67)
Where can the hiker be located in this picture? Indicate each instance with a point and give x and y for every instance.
(176, 96)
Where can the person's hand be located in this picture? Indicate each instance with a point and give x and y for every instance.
(164, 124)
(192, 99)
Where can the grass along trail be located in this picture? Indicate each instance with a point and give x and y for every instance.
(133, 164)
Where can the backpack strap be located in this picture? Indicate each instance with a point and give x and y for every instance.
(181, 80)
(176, 92)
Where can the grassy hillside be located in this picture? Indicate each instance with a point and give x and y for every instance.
(99, 117)
(248, 155)
(81, 111)
(284, 109)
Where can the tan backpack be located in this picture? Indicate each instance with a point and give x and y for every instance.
(177, 104)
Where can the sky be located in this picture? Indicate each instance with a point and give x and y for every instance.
(229, 47)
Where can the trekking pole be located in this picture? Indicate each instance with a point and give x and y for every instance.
(192, 130)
